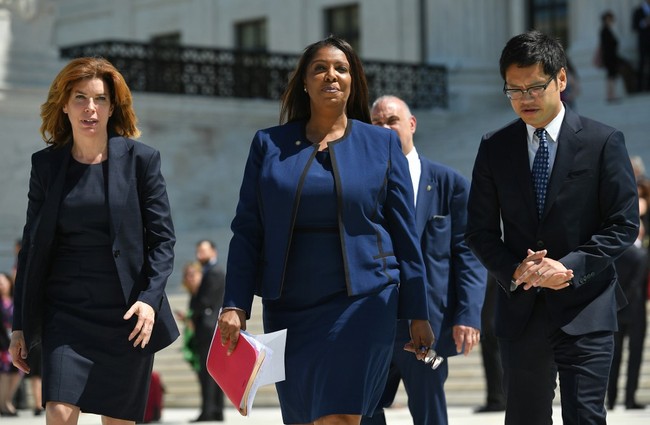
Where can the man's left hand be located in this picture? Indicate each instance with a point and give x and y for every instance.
(467, 337)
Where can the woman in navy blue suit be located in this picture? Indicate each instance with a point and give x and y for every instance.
(324, 232)
(97, 250)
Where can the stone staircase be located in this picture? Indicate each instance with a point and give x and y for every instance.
(465, 385)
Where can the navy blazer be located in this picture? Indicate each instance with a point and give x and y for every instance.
(591, 216)
(375, 215)
(141, 230)
(456, 280)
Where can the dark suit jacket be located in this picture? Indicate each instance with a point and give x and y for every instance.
(591, 216)
(455, 278)
(375, 206)
(638, 15)
(205, 305)
(609, 50)
(141, 230)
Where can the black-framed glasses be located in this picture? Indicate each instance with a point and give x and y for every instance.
(534, 91)
(433, 359)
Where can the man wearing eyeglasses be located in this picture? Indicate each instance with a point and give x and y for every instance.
(552, 203)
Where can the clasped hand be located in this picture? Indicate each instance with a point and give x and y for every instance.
(538, 270)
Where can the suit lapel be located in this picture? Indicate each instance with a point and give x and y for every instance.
(566, 150)
(427, 191)
(519, 163)
(120, 180)
(49, 213)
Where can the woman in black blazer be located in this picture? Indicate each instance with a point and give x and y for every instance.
(97, 252)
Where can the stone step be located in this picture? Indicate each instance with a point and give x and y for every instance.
(465, 385)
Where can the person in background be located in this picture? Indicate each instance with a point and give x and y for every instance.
(20, 397)
(192, 275)
(97, 249)
(552, 257)
(639, 167)
(641, 25)
(455, 278)
(155, 399)
(495, 400)
(326, 246)
(10, 376)
(14, 267)
(573, 88)
(205, 305)
(609, 53)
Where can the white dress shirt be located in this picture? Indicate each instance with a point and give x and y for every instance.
(553, 132)
(415, 167)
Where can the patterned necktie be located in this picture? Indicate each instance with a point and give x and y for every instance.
(540, 170)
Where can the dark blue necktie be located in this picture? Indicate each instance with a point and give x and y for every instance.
(540, 170)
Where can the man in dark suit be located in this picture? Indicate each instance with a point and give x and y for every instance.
(205, 305)
(553, 202)
(455, 278)
(641, 24)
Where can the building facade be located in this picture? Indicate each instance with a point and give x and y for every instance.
(204, 139)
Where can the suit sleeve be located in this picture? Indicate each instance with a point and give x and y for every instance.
(401, 220)
(245, 251)
(159, 235)
(483, 234)
(210, 296)
(619, 209)
(35, 198)
(468, 274)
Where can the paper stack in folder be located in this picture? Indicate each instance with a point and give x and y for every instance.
(256, 361)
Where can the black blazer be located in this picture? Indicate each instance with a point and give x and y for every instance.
(643, 32)
(591, 216)
(141, 229)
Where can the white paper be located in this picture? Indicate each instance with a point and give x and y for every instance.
(272, 367)
(274, 371)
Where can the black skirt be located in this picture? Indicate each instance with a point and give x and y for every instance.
(88, 360)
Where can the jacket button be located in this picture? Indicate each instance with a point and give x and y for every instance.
(116, 253)
(540, 244)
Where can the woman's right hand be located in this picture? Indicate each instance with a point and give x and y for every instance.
(230, 323)
(18, 351)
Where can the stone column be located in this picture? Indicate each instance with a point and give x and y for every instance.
(28, 55)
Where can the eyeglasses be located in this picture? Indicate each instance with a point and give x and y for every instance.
(534, 91)
(433, 359)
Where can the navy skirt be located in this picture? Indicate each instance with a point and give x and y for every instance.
(338, 347)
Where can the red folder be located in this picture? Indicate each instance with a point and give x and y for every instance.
(235, 373)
